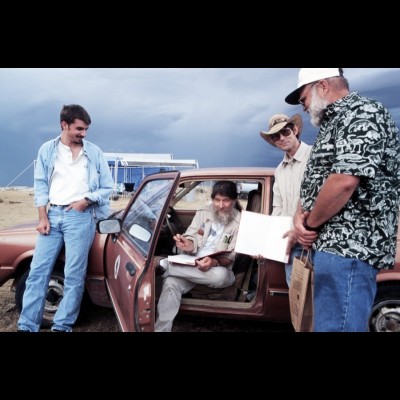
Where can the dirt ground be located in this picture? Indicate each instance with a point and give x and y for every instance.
(16, 206)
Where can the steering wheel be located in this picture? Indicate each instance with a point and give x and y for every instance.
(173, 222)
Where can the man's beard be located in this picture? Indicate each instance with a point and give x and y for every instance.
(317, 108)
(77, 140)
(223, 217)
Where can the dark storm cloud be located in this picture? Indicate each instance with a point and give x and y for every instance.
(211, 115)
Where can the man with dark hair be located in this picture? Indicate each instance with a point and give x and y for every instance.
(213, 229)
(349, 197)
(74, 179)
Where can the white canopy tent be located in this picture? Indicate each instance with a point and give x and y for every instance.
(143, 161)
(140, 161)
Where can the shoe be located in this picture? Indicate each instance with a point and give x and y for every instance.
(24, 330)
(158, 268)
(55, 329)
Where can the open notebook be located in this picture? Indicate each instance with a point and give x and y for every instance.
(258, 234)
(187, 259)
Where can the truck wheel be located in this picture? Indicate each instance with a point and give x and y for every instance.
(54, 296)
(385, 314)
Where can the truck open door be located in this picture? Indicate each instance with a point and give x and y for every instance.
(128, 255)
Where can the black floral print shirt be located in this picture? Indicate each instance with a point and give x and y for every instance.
(358, 137)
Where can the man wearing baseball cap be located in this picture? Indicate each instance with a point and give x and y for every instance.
(284, 133)
(349, 197)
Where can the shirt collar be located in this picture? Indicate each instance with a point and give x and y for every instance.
(341, 105)
(57, 140)
(300, 154)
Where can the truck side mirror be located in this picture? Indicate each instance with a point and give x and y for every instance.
(112, 225)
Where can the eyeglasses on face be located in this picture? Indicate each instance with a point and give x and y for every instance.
(304, 97)
(284, 132)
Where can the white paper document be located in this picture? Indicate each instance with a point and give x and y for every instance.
(262, 234)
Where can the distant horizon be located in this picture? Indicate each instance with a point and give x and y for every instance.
(3, 188)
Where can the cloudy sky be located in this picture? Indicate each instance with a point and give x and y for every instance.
(212, 115)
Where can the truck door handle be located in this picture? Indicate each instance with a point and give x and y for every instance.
(131, 269)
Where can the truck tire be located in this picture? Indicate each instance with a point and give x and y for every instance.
(385, 314)
(54, 296)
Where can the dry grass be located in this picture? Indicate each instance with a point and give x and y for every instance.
(17, 206)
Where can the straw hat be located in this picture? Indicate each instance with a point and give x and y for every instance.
(277, 122)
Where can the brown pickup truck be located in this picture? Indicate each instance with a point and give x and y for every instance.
(121, 273)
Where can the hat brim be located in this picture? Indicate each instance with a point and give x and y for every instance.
(298, 121)
(293, 98)
(267, 138)
(276, 128)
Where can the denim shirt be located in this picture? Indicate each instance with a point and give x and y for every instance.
(100, 179)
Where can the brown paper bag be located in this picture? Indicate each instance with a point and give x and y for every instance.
(301, 294)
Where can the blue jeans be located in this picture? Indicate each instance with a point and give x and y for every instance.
(296, 251)
(344, 292)
(75, 230)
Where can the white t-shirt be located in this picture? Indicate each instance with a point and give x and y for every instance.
(211, 244)
(70, 179)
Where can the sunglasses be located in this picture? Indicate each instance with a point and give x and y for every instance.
(277, 136)
(304, 97)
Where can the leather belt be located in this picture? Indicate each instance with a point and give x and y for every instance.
(58, 205)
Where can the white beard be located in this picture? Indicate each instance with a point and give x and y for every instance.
(222, 216)
(317, 108)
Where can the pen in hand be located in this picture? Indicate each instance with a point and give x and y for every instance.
(180, 243)
(183, 243)
(178, 238)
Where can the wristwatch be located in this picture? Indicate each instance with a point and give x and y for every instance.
(309, 228)
(89, 202)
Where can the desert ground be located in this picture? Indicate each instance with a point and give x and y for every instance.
(17, 206)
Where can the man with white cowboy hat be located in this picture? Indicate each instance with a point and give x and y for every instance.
(284, 133)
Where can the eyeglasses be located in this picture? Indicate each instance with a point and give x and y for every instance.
(284, 132)
(304, 97)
